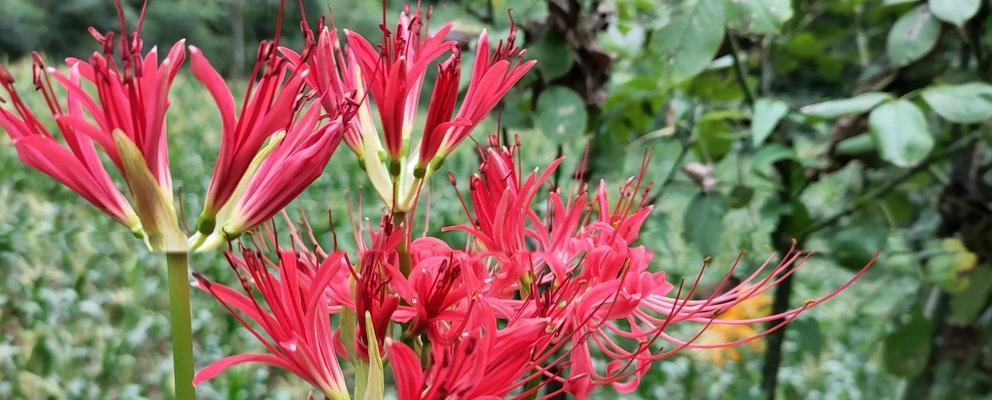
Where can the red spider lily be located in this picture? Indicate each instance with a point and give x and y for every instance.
(336, 77)
(552, 294)
(126, 118)
(269, 106)
(493, 74)
(290, 319)
(593, 284)
(482, 362)
(391, 76)
(296, 161)
(395, 71)
(78, 166)
(372, 295)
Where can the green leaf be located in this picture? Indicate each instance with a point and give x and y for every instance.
(758, 16)
(713, 139)
(810, 336)
(857, 144)
(955, 12)
(861, 103)
(949, 268)
(900, 133)
(561, 114)
(856, 245)
(688, 43)
(912, 36)
(968, 103)
(740, 196)
(555, 56)
(767, 114)
(703, 222)
(768, 155)
(906, 350)
(967, 305)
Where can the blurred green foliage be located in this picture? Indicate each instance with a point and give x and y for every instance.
(855, 127)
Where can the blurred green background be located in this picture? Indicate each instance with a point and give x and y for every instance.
(850, 126)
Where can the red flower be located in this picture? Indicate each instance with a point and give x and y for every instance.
(394, 72)
(296, 161)
(493, 75)
(290, 319)
(269, 106)
(78, 166)
(126, 118)
(482, 362)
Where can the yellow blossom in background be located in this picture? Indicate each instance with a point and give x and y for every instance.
(755, 307)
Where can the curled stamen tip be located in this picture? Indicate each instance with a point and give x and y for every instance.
(809, 303)
(708, 259)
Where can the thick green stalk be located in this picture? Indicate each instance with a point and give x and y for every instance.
(179, 319)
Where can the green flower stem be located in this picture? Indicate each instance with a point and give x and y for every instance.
(179, 319)
(399, 218)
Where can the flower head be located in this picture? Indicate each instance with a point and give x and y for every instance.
(290, 317)
(126, 118)
(390, 76)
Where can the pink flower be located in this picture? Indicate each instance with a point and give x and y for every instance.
(294, 163)
(390, 75)
(126, 118)
(290, 317)
(78, 166)
(483, 362)
(269, 106)
(394, 72)
(493, 75)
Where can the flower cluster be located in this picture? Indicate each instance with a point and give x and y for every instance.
(550, 284)
(390, 76)
(116, 101)
(553, 293)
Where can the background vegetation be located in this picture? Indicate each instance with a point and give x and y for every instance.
(849, 127)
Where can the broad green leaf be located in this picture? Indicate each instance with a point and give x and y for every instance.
(767, 114)
(967, 305)
(861, 103)
(810, 336)
(561, 114)
(856, 245)
(702, 224)
(769, 154)
(688, 43)
(906, 350)
(912, 36)
(900, 133)
(713, 139)
(758, 16)
(554, 55)
(964, 104)
(858, 144)
(955, 12)
(740, 196)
